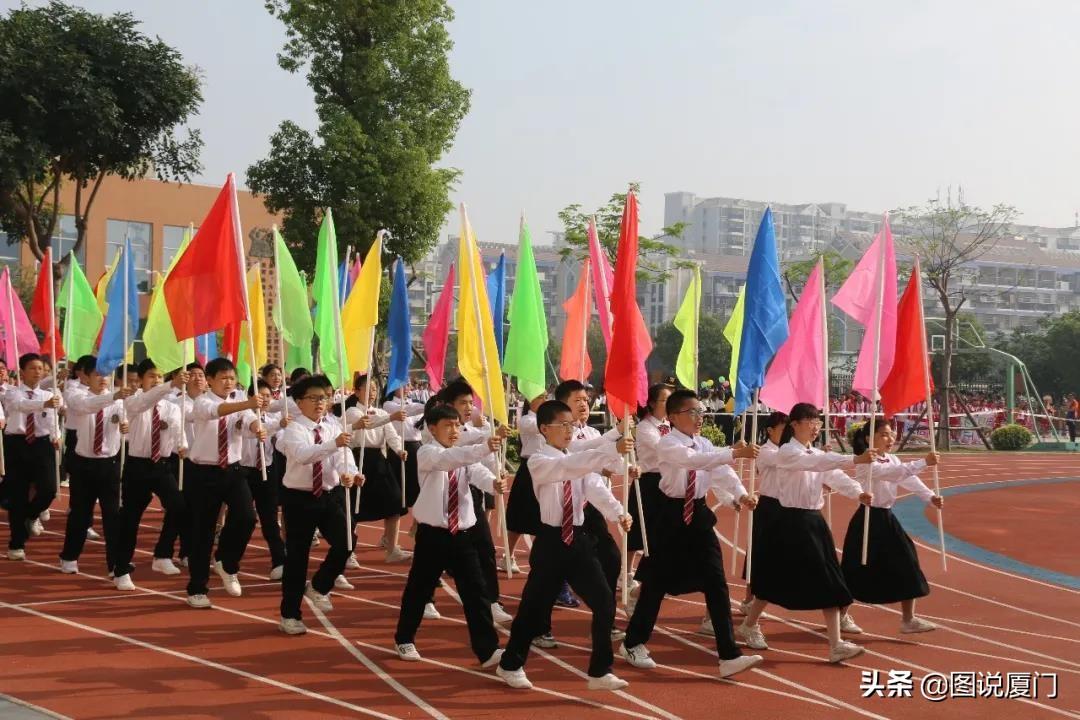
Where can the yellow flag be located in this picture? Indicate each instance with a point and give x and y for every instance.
(733, 334)
(478, 355)
(100, 290)
(257, 307)
(360, 313)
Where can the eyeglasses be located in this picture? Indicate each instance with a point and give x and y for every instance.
(316, 398)
(567, 426)
(693, 412)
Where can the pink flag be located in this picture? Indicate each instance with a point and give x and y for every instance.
(603, 277)
(575, 363)
(437, 332)
(859, 297)
(354, 271)
(19, 338)
(797, 373)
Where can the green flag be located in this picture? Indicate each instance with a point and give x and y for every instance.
(159, 337)
(686, 321)
(297, 357)
(325, 293)
(733, 334)
(526, 346)
(292, 312)
(83, 318)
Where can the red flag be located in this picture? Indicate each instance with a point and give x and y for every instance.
(575, 363)
(43, 309)
(437, 332)
(625, 379)
(230, 342)
(205, 289)
(906, 383)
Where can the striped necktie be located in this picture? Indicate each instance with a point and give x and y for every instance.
(316, 469)
(567, 513)
(30, 427)
(452, 503)
(155, 435)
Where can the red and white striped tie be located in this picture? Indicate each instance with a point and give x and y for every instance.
(30, 428)
(316, 469)
(222, 443)
(452, 503)
(99, 433)
(567, 513)
(155, 435)
(664, 430)
(688, 501)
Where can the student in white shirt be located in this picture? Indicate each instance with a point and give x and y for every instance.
(445, 516)
(222, 417)
(651, 426)
(317, 462)
(405, 415)
(522, 510)
(264, 488)
(891, 573)
(76, 383)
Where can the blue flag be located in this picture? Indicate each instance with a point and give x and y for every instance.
(496, 291)
(765, 325)
(344, 282)
(400, 331)
(206, 347)
(113, 348)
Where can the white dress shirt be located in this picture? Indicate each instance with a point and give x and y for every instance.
(20, 400)
(531, 439)
(87, 406)
(550, 468)
(648, 437)
(380, 434)
(768, 478)
(413, 412)
(204, 417)
(802, 470)
(298, 445)
(889, 474)
(434, 464)
(678, 453)
(140, 411)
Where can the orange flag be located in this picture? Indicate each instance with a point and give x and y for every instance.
(43, 309)
(575, 363)
(906, 383)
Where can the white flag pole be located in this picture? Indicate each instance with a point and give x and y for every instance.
(55, 362)
(753, 490)
(738, 514)
(825, 371)
(874, 392)
(930, 412)
(344, 371)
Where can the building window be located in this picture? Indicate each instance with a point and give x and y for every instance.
(64, 240)
(172, 238)
(116, 231)
(9, 254)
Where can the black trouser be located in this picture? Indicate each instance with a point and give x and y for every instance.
(265, 495)
(303, 512)
(175, 525)
(207, 487)
(552, 562)
(95, 480)
(27, 464)
(485, 547)
(69, 459)
(607, 550)
(437, 550)
(142, 480)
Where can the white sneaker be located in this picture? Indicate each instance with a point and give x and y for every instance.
(45, 516)
(124, 582)
(292, 626)
(844, 651)
(744, 608)
(493, 660)
(164, 566)
(638, 656)
(513, 565)
(430, 613)
(91, 534)
(69, 567)
(231, 583)
(408, 652)
(65, 483)
(751, 636)
(278, 572)
(199, 601)
(546, 641)
(917, 625)
(737, 665)
(847, 625)
(617, 634)
(19, 554)
(352, 563)
(499, 615)
(322, 602)
(397, 555)
(384, 543)
(516, 679)
(340, 583)
(315, 540)
(706, 627)
(183, 562)
(608, 682)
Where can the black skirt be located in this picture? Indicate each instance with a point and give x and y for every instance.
(799, 569)
(680, 555)
(412, 479)
(522, 508)
(767, 511)
(650, 489)
(892, 571)
(380, 497)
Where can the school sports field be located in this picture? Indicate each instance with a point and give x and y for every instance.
(1008, 644)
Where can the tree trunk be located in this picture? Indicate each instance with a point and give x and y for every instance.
(946, 380)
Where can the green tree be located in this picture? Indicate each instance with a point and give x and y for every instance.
(969, 363)
(388, 110)
(795, 272)
(83, 96)
(714, 352)
(1049, 348)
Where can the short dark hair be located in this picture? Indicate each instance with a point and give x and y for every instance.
(775, 418)
(298, 374)
(268, 368)
(458, 387)
(860, 441)
(81, 363)
(801, 411)
(678, 400)
(145, 366)
(219, 365)
(194, 366)
(436, 412)
(260, 384)
(654, 396)
(88, 362)
(311, 381)
(28, 358)
(358, 380)
(564, 390)
(551, 409)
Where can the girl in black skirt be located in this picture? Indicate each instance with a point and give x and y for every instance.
(892, 573)
(652, 425)
(404, 410)
(795, 563)
(522, 510)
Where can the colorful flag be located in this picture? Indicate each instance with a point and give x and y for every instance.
(872, 284)
(159, 336)
(603, 277)
(437, 333)
(765, 323)
(686, 322)
(122, 321)
(626, 380)
(733, 334)
(19, 336)
(354, 271)
(527, 341)
(257, 304)
(399, 328)
(206, 348)
(292, 310)
(906, 383)
(102, 285)
(797, 373)
(496, 290)
(82, 316)
(575, 363)
(360, 314)
(43, 309)
(478, 356)
(204, 290)
(325, 292)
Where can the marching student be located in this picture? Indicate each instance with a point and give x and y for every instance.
(522, 510)
(99, 426)
(795, 566)
(446, 517)
(282, 407)
(264, 492)
(563, 550)
(892, 573)
(29, 453)
(155, 436)
(74, 384)
(652, 425)
(409, 412)
(317, 462)
(685, 555)
(221, 419)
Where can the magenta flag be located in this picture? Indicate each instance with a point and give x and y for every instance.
(603, 277)
(20, 338)
(437, 333)
(354, 271)
(859, 297)
(797, 373)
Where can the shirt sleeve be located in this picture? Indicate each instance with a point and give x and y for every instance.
(678, 454)
(725, 479)
(577, 446)
(481, 477)
(601, 498)
(87, 403)
(141, 402)
(393, 440)
(912, 483)
(434, 459)
(16, 399)
(547, 469)
(203, 409)
(842, 483)
(297, 447)
(792, 458)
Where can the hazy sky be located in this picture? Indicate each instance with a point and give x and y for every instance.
(875, 104)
